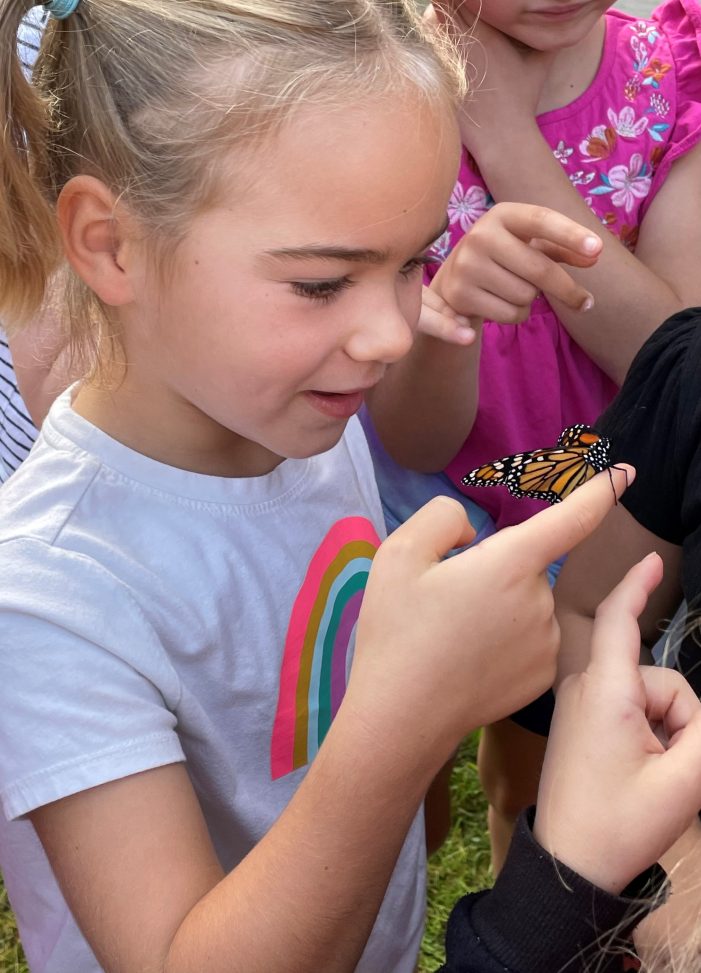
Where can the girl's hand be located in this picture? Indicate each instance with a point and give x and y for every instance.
(439, 320)
(444, 646)
(613, 798)
(511, 254)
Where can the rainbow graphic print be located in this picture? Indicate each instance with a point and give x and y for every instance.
(319, 638)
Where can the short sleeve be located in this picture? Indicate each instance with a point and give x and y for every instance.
(654, 423)
(87, 694)
(680, 21)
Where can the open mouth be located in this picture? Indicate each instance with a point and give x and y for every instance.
(338, 405)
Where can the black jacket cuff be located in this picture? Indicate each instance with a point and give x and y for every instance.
(540, 914)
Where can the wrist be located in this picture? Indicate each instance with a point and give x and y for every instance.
(541, 915)
(578, 852)
(385, 748)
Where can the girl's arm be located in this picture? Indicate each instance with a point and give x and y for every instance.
(632, 293)
(495, 271)
(133, 857)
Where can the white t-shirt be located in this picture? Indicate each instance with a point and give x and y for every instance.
(150, 615)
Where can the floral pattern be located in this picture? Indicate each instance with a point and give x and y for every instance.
(467, 205)
(626, 124)
(609, 142)
(626, 183)
(562, 152)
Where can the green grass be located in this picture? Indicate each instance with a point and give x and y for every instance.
(11, 955)
(462, 865)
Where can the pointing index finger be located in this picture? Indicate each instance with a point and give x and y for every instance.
(556, 531)
(530, 222)
(615, 643)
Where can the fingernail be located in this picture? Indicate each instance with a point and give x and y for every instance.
(462, 321)
(466, 335)
(591, 244)
(587, 304)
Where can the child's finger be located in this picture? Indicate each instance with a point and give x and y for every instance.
(563, 254)
(533, 265)
(530, 222)
(516, 267)
(670, 699)
(428, 535)
(615, 643)
(544, 538)
(681, 763)
(440, 320)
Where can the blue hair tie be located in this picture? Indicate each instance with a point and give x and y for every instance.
(60, 9)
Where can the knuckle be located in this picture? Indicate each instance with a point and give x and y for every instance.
(541, 216)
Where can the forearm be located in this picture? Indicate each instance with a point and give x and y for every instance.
(425, 406)
(630, 299)
(306, 897)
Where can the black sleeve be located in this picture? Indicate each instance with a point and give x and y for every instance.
(654, 423)
(541, 916)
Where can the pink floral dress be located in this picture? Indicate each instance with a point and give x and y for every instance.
(616, 142)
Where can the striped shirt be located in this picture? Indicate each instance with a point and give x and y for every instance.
(17, 431)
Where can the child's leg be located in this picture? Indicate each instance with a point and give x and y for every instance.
(437, 809)
(509, 760)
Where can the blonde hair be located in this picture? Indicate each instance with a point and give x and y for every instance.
(147, 94)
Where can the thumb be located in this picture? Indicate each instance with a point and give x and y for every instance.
(682, 761)
(432, 531)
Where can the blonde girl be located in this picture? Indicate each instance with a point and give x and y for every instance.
(185, 782)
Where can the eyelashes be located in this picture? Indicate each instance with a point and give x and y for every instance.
(324, 291)
(321, 291)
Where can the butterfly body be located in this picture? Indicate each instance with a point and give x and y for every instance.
(548, 474)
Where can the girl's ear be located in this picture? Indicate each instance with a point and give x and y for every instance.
(94, 239)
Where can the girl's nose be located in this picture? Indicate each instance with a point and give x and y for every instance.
(383, 334)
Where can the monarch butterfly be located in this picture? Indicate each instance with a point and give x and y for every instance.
(548, 474)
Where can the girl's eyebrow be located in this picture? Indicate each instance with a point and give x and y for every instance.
(319, 251)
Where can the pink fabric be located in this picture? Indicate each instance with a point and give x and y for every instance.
(616, 142)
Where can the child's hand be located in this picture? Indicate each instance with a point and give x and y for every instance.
(511, 254)
(445, 646)
(612, 799)
(439, 320)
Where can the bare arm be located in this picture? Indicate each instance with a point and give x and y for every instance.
(146, 887)
(592, 570)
